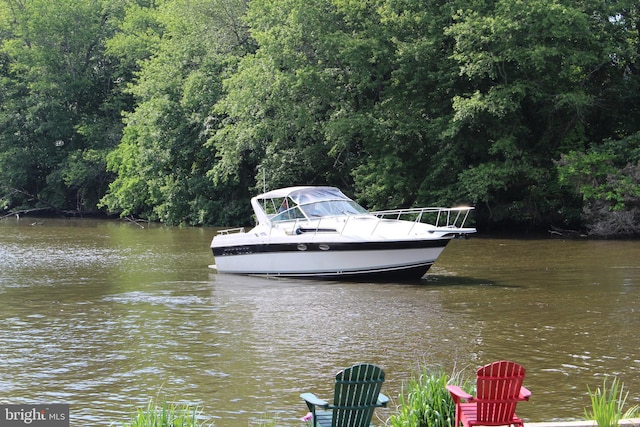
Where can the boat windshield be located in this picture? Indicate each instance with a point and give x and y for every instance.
(320, 209)
(332, 208)
(308, 195)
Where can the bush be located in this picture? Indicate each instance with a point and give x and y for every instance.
(166, 415)
(427, 402)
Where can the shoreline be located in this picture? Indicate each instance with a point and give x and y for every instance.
(630, 422)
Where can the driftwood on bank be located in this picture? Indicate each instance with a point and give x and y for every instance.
(50, 207)
(24, 212)
(136, 221)
(562, 232)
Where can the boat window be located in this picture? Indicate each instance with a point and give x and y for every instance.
(276, 205)
(333, 208)
(289, 214)
(310, 195)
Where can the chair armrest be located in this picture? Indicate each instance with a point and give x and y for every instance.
(313, 400)
(382, 400)
(458, 394)
(525, 394)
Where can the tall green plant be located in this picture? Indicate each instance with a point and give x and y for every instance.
(427, 403)
(607, 404)
(166, 415)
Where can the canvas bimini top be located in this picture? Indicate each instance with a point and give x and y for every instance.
(303, 202)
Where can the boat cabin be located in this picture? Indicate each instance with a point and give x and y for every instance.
(300, 203)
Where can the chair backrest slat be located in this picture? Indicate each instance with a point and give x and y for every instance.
(498, 388)
(355, 396)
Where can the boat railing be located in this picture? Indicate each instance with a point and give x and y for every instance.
(231, 230)
(447, 218)
(438, 217)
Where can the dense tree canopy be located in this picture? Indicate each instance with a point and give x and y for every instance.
(179, 110)
(60, 102)
(161, 163)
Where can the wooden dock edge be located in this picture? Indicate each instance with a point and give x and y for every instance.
(631, 422)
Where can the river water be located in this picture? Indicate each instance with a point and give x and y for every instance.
(104, 315)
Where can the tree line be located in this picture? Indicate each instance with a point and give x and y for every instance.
(180, 110)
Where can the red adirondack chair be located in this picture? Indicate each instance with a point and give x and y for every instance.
(498, 390)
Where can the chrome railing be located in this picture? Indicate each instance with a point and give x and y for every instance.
(440, 218)
(231, 230)
(449, 218)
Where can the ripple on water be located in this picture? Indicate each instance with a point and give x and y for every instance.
(165, 298)
(106, 318)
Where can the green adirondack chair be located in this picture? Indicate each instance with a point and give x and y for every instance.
(356, 395)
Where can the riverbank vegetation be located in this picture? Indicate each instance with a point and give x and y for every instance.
(607, 404)
(178, 111)
(425, 401)
(167, 414)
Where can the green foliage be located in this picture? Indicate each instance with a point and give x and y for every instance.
(607, 177)
(161, 163)
(607, 173)
(406, 148)
(60, 106)
(295, 109)
(607, 404)
(427, 402)
(180, 110)
(167, 415)
(529, 87)
(597, 178)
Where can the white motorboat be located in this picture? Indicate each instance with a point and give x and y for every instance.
(318, 232)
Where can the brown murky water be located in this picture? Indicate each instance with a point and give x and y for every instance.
(106, 315)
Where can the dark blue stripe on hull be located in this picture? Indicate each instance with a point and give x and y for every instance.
(327, 246)
(414, 272)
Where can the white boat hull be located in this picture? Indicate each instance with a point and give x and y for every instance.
(401, 259)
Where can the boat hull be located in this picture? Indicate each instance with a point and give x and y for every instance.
(395, 260)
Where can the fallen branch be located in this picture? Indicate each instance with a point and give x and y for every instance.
(50, 207)
(23, 211)
(135, 221)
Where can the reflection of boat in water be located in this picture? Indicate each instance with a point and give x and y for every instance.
(321, 233)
